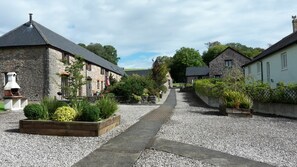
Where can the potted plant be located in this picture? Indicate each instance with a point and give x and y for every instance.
(236, 103)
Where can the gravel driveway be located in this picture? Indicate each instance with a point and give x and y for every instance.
(265, 139)
(36, 150)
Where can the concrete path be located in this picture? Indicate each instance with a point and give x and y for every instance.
(205, 155)
(124, 149)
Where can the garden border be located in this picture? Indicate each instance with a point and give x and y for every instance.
(73, 128)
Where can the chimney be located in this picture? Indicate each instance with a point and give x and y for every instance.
(294, 23)
(30, 19)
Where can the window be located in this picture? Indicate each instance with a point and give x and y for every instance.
(88, 66)
(284, 61)
(102, 85)
(228, 63)
(102, 71)
(98, 84)
(258, 67)
(64, 86)
(65, 58)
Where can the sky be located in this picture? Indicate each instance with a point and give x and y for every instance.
(141, 30)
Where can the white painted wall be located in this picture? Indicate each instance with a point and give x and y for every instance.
(277, 74)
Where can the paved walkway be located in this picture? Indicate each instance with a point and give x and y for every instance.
(125, 149)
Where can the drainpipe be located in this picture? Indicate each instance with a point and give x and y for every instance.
(261, 71)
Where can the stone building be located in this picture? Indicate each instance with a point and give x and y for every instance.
(229, 58)
(38, 56)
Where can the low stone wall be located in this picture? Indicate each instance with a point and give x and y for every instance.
(279, 109)
(74, 128)
(211, 101)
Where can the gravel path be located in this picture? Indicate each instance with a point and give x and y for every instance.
(265, 139)
(36, 150)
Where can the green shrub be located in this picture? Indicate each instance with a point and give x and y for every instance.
(79, 105)
(107, 106)
(35, 112)
(64, 114)
(90, 113)
(235, 99)
(51, 104)
(209, 87)
(134, 84)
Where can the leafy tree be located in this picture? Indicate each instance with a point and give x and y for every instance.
(212, 52)
(75, 78)
(107, 52)
(215, 48)
(111, 54)
(247, 51)
(183, 58)
(159, 72)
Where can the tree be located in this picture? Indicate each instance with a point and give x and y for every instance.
(245, 50)
(75, 78)
(111, 54)
(215, 48)
(183, 58)
(107, 52)
(212, 52)
(159, 72)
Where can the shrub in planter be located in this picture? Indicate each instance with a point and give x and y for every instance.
(35, 112)
(50, 105)
(64, 114)
(235, 99)
(90, 113)
(107, 106)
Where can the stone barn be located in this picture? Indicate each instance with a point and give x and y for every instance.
(38, 56)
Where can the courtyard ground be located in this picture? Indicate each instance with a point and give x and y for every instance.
(270, 140)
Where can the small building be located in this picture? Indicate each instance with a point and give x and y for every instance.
(39, 57)
(277, 63)
(193, 73)
(228, 58)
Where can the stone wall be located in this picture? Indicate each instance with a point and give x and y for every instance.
(30, 65)
(56, 67)
(217, 65)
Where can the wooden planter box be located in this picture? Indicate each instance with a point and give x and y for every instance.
(74, 128)
(238, 112)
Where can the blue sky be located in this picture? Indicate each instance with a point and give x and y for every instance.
(141, 30)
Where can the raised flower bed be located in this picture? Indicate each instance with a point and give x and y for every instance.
(78, 118)
(73, 128)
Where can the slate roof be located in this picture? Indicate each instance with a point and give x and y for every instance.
(197, 71)
(234, 51)
(139, 72)
(37, 35)
(283, 43)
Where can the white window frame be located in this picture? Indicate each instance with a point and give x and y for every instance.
(284, 61)
(228, 63)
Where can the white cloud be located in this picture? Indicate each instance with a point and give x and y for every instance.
(156, 26)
